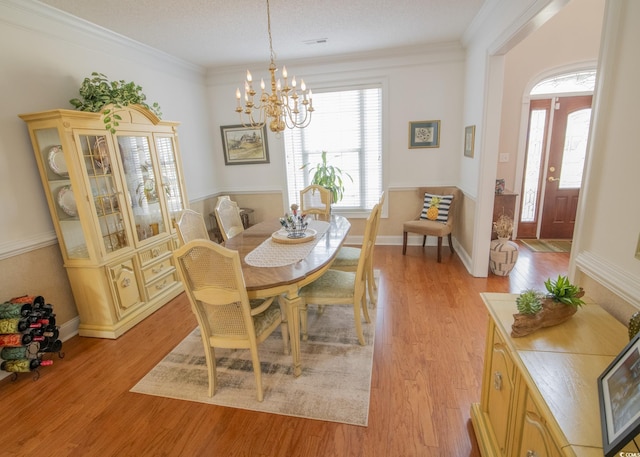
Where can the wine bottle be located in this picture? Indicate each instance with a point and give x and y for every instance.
(17, 325)
(50, 345)
(36, 301)
(24, 365)
(14, 310)
(23, 352)
(19, 339)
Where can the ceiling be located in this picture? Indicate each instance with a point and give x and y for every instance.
(215, 33)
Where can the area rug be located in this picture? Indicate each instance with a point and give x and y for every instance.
(334, 385)
(548, 245)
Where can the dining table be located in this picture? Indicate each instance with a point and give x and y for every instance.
(274, 265)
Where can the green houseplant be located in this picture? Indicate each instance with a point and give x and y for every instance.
(529, 302)
(538, 310)
(329, 177)
(97, 92)
(562, 291)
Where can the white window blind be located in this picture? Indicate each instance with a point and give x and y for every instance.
(348, 125)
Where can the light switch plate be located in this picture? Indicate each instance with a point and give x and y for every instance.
(504, 157)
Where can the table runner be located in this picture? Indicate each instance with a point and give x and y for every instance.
(273, 254)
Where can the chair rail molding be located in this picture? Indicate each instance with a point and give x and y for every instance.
(610, 276)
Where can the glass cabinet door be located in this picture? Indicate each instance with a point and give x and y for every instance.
(143, 187)
(170, 176)
(64, 209)
(107, 201)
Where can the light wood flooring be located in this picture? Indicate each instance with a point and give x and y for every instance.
(427, 371)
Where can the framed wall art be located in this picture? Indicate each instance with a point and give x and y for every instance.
(244, 145)
(619, 395)
(424, 134)
(469, 139)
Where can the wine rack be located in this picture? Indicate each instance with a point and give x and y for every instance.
(28, 332)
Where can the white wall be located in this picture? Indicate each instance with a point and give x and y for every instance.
(418, 84)
(44, 57)
(608, 221)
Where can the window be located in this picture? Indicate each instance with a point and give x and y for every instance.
(347, 124)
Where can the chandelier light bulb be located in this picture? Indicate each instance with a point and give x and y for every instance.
(293, 82)
(249, 77)
(303, 86)
(284, 71)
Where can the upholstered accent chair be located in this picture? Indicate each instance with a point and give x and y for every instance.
(438, 222)
(216, 289)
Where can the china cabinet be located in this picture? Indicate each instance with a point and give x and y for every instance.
(113, 198)
(539, 392)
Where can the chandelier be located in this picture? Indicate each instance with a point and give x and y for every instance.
(284, 107)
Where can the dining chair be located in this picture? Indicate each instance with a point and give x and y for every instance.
(215, 286)
(228, 218)
(315, 199)
(435, 219)
(336, 287)
(348, 256)
(191, 226)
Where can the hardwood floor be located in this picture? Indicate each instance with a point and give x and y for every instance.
(427, 371)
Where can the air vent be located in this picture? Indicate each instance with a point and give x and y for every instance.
(316, 41)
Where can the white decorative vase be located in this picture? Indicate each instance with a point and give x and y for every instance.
(503, 256)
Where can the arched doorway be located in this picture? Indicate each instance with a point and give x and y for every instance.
(557, 135)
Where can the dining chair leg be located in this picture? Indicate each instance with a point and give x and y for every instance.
(450, 244)
(404, 243)
(257, 372)
(356, 316)
(424, 240)
(365, 310)
(439, 249)
(210, 357)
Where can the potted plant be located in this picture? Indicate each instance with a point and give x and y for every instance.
(329, 177)
(537, 310)
(97, 93)
(504, 252)
(503, 227)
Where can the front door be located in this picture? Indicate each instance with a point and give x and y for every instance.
(567, 149)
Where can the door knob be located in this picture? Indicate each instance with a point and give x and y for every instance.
(551, 179)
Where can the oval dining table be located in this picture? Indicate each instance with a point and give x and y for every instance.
(286, 281)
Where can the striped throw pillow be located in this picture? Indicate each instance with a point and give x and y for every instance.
(442, 212)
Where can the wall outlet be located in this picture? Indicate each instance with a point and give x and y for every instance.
(504, 157)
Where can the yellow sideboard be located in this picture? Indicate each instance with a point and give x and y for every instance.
(539, 393)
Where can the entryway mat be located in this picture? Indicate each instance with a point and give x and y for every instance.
(548, 245)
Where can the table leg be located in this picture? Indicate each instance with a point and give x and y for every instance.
(292, 304)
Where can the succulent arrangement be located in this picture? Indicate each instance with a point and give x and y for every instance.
(529, 302)
(537, 310)
(561, 290)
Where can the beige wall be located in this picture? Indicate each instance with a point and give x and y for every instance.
(39, 272)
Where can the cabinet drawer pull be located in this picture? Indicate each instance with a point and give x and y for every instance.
(155, 252)
(161, 285)
(531, 453)
(126, 282)
(158, 269)
(497, 380)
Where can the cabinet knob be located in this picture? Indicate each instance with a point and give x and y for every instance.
(497, 380)
(531, 453)
(126, 282)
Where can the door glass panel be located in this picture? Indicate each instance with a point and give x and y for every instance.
(575, 148)
(142, 186)
(65, 211)
(532, 167)
(169, 173)
(107, 202)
